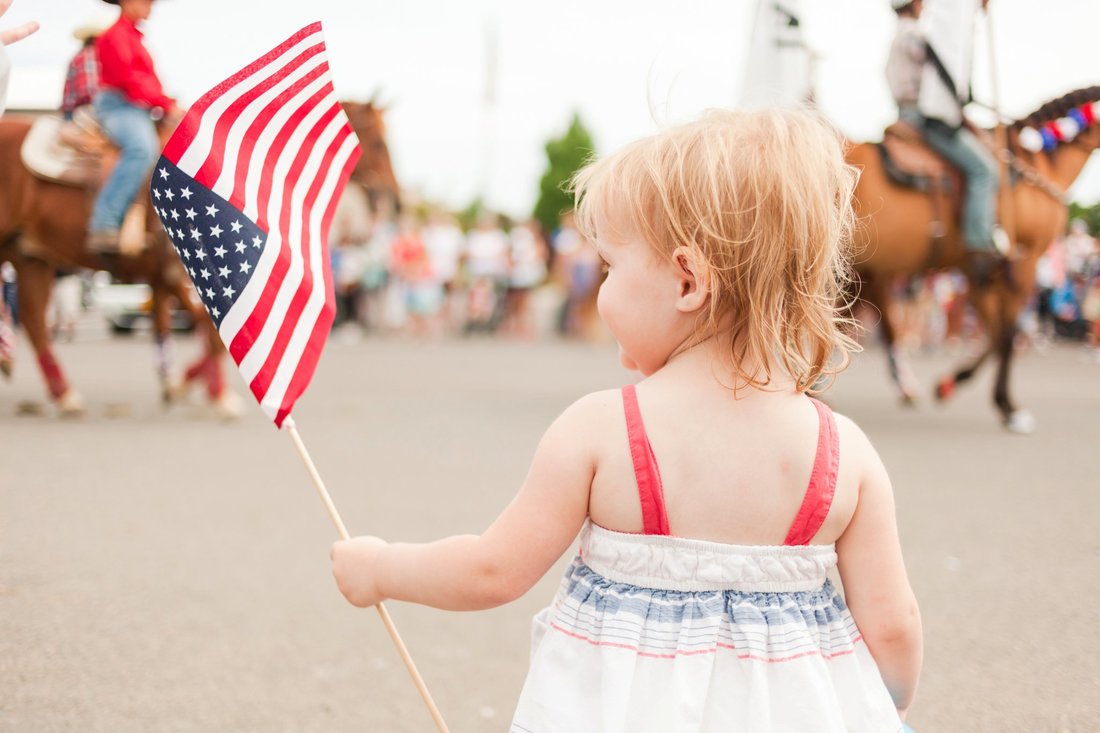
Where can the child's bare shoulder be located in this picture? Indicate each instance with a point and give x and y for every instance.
(600, 405)
(857, 451)
(590, 413)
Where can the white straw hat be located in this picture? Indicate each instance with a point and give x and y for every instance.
(87, 31)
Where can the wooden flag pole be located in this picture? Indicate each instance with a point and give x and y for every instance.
(410, 665)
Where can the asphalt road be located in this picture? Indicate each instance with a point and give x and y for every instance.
(161, 570)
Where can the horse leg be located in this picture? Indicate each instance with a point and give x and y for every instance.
(875, 293)
(35, 282)
(946, 386)
(162, 333)
(208, 367)
(1015, 420)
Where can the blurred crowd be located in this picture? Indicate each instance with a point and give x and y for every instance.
(422, 274)
(931, 311)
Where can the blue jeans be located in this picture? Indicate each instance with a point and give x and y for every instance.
(963, 149)
(131, 128)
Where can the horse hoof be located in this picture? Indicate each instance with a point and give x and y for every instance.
(228, 406)
(173, 390)
(29, 408)
(945, 388)
(1020, 422)
(70, 404)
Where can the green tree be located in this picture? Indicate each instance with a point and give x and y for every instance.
(565, 155)
(1090, 215)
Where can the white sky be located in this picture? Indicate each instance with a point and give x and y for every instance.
(628, 67)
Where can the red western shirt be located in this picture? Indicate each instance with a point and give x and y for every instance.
(125, 66)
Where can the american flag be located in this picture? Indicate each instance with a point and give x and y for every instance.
(246, 189)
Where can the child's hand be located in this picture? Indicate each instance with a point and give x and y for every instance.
(353, 566)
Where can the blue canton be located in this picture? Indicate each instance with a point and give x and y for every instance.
(219, 246)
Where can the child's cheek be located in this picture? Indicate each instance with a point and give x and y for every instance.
(626, 361)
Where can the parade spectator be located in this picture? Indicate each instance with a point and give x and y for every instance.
(528, 270)
(374, 302)
(1050, 275)
(577, 269)
(129, 99)
(639, 634)
(9, 36)
(349, 234)
(444, 240)
(82, 77)
(420, 291)
(1090, 311)
(487, 263)
(1080, 248)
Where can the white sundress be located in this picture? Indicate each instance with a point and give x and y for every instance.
(650, 632)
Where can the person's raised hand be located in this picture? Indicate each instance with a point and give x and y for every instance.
(9, 36)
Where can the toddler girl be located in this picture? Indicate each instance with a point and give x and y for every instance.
(713, 497)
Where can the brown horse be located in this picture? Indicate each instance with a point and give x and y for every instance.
(43, 227)
(894, 239)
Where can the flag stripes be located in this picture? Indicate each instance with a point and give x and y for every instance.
(273, 141)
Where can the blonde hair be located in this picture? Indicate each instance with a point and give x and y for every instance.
(765, 198)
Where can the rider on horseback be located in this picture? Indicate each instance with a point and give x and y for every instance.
(82, 78)
(130, 98)
(928, 71)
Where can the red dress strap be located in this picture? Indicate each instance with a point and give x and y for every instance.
(654, 518)
(819, 494)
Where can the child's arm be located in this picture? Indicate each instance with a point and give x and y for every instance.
(470, 572)
(876, 587)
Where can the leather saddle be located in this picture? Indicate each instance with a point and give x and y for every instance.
(78, 153)
(909, 162)
(73, 153)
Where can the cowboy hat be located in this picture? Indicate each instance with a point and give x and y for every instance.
(88, 31)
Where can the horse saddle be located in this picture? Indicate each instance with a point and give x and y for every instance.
(78, 153)
(909, 162)
(68, 152)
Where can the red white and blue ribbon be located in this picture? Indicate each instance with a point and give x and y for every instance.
(1062, 130)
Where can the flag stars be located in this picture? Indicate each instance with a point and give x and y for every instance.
(256, 242)
(228, 291)
(209, 292)
(205, 274)
(163, 173)
(235, 226)
(223, 272)
(169, 195)
(211, 210)
(240, 245)
(215, 231)
(195, 235)
(186, 193)
(186, 254)
(200, 253)
(245, 267)
(156, 194)
(175, 215)
(190, 213)
(219, 251)
(214, 310)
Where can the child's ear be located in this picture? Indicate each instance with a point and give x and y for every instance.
(693, 277)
